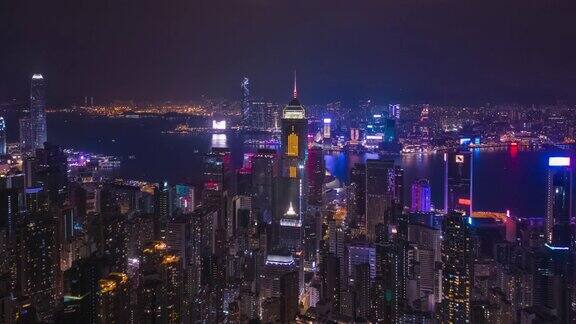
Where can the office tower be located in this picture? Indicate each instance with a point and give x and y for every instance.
(244, 175)
(357, 196)
(140, 232)
(172, 277)
(217, 175)
(114, 298)
(3, 150)
(164, 203)
(290, 188)
(291, 240)
(421, 196)
(262, 115)
(246, 104)
(161, 292)
(457, 259)
(316, 173)
(380, 188)
(289, 294)
(399, 187)
(458, 182)
(337, 246)
(51, 171)
(177, 237)
(330, 270)
(242, 226)
(38, 262)
(389, 284)
(354, 136)
(424, 274)
(38, 111)
(10, 207)
(559, 197)
(26, 134)
(312, 225)
(294, 137)
(553, 279)
(362, 254)
(185, 200)
(394, 111)
(362, 288)
(82, 287)
(264, 169)
(150, 300)
(112, 237)
(327, 129)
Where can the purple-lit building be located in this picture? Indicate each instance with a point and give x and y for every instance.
(421, 194)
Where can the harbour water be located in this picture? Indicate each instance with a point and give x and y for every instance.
(504, 179)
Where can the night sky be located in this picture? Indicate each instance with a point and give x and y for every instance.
(451, 51)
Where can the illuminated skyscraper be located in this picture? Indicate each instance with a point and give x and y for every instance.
(217, 168)
(26, 135)
(291, 240)
(316, 173)
(38, 111)
(421, 196)
(264, 168)
(394, 111)
(38, 262)
(290, 186)
(246, 105)
(558, 202)
(380, 187)
(2, 136)
(457, 269)
(357, 195)
(458, 182)
(294, 137)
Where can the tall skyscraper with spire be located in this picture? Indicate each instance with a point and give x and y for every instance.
(290, 202)
(293, 157)
(294, 136)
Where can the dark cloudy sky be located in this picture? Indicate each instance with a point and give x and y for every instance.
(401, 50)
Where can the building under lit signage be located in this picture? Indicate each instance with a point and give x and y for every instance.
(458, 181)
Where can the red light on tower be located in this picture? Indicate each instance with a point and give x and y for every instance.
(464, 202)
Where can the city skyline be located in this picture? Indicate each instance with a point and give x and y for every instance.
(382, 204)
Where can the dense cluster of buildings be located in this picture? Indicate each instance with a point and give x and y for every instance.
(276, 241)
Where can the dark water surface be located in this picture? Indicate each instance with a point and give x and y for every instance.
(503, 179)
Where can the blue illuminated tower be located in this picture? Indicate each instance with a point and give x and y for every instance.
(38, 111)
(246, 106)
(421, 196)
(2, 136)
(558, 203)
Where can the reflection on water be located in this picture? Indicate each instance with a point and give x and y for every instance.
(219, 141)
(503, 178)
